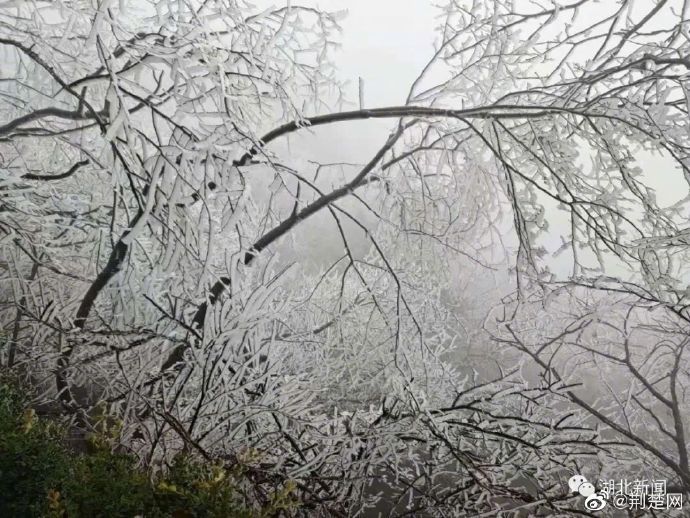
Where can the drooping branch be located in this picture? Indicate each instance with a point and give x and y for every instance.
(501, 111)
(219, 287)
(294, 219)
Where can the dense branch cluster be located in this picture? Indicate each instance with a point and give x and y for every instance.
(149, 221)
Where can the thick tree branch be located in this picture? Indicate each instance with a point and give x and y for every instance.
(41, 114)
(288, 224)
(394, 112)
(62, 176)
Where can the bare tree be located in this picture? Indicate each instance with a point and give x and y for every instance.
(142, 257)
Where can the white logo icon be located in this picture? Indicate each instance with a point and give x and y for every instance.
(595, 501)
(575, 482)
(586, 489)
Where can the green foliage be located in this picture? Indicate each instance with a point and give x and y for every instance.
(39, 476)
(196, 489)
(32, 460)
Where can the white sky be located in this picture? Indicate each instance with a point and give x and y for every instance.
(386, 43)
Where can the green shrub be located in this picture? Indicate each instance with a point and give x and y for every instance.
(39, 476)
(32, 459)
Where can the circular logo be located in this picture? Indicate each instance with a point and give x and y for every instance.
(586, 489)
(595, 502)
(575, 482)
